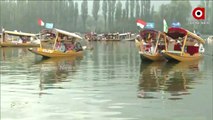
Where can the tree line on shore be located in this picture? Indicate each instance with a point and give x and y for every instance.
(106, 15)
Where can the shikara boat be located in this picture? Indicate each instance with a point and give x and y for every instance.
(59, 43)
(111, 37)
(91, 36)
(187, 45)
(18, 39)
(209, 40)
(127, 36)
(151, 44)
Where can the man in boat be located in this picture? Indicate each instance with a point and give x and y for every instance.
(60, 45)
(70, 46)
(78, 46)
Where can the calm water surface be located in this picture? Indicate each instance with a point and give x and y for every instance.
(108, 83)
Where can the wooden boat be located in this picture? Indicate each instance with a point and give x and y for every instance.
(188, 46)
(209, 40)
(151, 45)
(111, 37)
(91, 36)
(127, 36)
(18, 39)
(59, 43)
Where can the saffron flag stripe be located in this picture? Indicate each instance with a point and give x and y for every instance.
(40, 22)
(140, 23)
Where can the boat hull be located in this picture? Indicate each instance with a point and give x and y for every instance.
(150, 57)
(8, 44)
(111, 40)
(130, 39)
(181, 58)
(54, 53)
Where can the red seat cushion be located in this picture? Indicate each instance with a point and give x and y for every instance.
(177, 47)
(192, 49)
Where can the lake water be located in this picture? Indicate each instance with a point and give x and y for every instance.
(108, 83)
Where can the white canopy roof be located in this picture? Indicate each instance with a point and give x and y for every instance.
(68, 33)
(19, 33)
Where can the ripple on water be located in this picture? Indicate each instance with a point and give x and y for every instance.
(108, 84)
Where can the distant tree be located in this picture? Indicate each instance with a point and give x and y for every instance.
(211, 19)
(124, 14)
(118, 13)
(168, 12)
(118, 16)
(84, 12)
(113, 4)
(137, 11)
(142, 8)
(109, 14)
(96, 5)
(147, 10)
(132, 8)
(127, 8)
(104, 11)
(75, 15)
(152, 13)
(71, 8)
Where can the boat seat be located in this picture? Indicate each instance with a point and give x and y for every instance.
(147, 47)
(69, 46)
(161, 47)
(175, 52)
(177, 47)
(192, 49)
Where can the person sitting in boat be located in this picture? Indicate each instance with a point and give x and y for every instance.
(78, 47)
(20, 40)
(71, 45)
(177, 45)
(60, 45)
(24, 39)
(148, 45)
(142, 48)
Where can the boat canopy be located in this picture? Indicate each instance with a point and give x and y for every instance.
(15, 33)
(175, 33)
(147, 33)
(123, 34)
(67, 33)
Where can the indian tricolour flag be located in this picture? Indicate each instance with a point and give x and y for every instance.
(40, 22)
(165, 26)
(140, 23)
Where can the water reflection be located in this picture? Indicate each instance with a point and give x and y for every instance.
(103, 86)
(55, 70)
(8, 53)
(172, 78)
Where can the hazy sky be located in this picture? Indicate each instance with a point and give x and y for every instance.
(156, 4)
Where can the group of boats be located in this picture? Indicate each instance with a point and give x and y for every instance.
(128, 36)
(178, 44)
(47, 43)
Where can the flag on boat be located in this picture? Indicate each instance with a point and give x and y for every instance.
(40, 22)
(176, 24)
(140, 23)
(150, 25)
(165, 26)
(49, 25)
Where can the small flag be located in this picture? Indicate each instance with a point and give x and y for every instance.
(176, 24)
(150, 25)
(194, 31)
(49, 25)
(40, 22)
(140, 23)
(165, 26)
